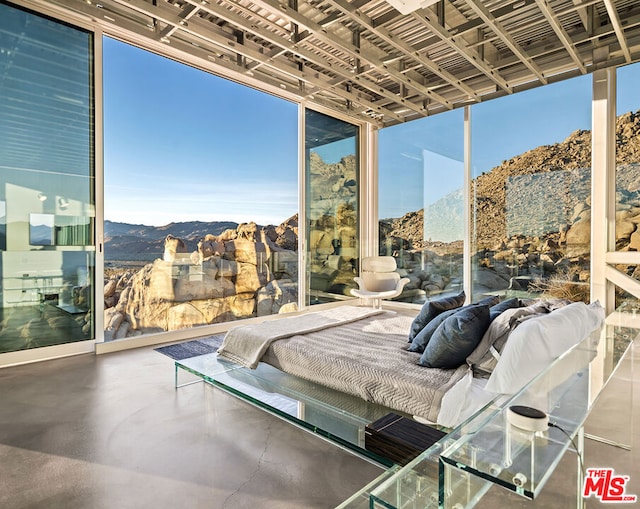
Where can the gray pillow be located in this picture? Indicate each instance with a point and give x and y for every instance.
(456, 338)
(500, 308)
(484, 358)
(433, 308)
(492, 300)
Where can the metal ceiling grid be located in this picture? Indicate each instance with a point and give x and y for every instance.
(363, 58)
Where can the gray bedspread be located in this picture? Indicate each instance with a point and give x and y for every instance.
(246, 344)
(367, 358)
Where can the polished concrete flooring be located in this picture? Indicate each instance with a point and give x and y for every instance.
(110, 431)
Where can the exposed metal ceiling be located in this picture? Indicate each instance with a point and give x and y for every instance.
(368, 60)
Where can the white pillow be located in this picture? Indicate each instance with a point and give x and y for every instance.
(535, 343)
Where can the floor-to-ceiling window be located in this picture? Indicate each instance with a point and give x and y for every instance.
(47, 248)
(627, 139)
(201, 197)
(331, 165)
(421, 203)
(531, 168)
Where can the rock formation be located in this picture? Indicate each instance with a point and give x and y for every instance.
(237, 274)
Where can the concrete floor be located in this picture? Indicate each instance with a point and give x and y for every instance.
(111, 431)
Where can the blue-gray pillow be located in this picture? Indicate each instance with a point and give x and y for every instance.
(456, 337)
(422, 338)
(492, 300)
(433, 308)
(498, 309)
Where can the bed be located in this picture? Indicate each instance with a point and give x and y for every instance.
(363, 352)
(360, 351)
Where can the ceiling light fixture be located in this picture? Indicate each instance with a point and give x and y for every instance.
(408, 6)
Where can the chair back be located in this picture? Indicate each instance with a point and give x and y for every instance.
(378, 273)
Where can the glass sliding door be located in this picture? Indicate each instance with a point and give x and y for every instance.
(331, 166)
(47, 211)
(421, 203)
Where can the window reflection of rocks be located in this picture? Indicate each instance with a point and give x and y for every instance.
(333, 220)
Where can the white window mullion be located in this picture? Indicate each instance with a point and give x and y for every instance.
(369, 235)
(466, 249)
(602, 184)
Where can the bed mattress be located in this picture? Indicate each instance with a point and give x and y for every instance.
(367, 358)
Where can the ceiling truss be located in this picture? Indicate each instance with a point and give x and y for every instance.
(365, 59)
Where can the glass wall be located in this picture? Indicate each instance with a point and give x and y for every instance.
(201, 197)
(421, 203)
(531, 184)
(331, 165)
(627, 170)
(47, 212)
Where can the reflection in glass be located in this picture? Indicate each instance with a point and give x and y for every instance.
(331, 162)
(531, 171)
(41, 229)
(421, 203)
(45, 152)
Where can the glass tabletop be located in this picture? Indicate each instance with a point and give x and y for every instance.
(203, 366)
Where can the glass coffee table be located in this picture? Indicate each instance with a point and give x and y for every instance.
(337, 416)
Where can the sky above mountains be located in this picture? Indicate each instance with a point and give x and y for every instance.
(183, 145)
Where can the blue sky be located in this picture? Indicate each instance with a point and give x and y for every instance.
(182, 145)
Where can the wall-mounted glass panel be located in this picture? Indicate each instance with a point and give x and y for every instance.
(531, 185)
(201, 197)
(421, 203)
(332, 169)
(46, 182)
(628, 161)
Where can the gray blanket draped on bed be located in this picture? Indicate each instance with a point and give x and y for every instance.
(246, 344)
(366, 358)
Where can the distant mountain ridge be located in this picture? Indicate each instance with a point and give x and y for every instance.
(125, 241)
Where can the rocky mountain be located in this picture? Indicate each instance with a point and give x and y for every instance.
(527, 181)
(530, 194)
(124, 241)
(241, 272)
